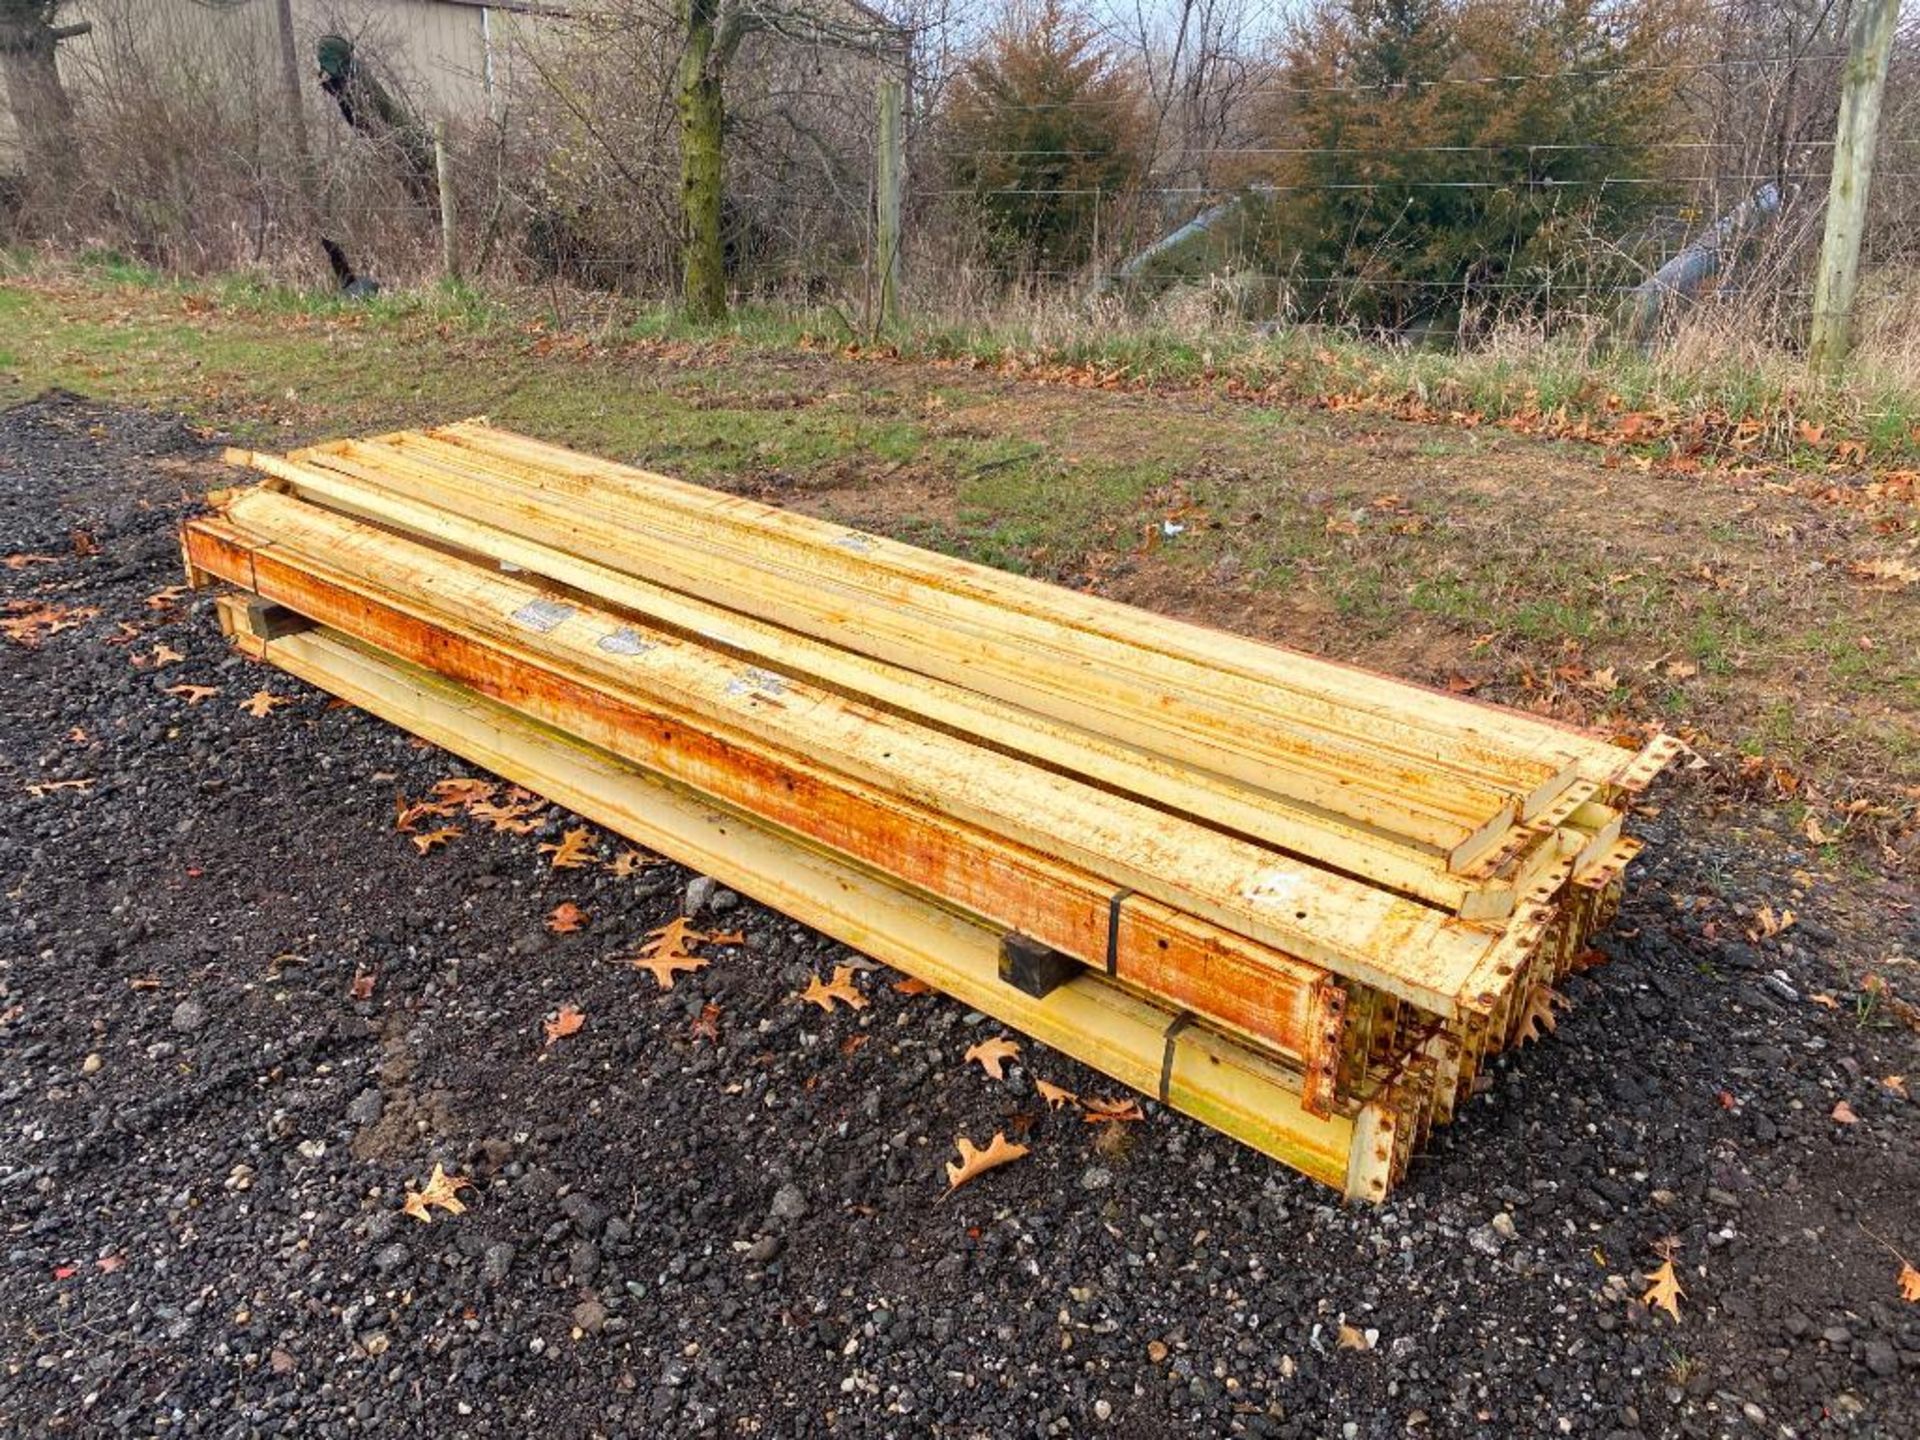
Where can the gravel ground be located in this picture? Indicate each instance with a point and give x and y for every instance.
(718, 1211)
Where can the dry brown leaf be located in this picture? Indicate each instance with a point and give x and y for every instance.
(1909, 1283)
(1541, 1002)
(164, 654)
(564, 1022)
(631, 862)
(1886, 574)
(22, 561)
(193, 694)
(465, 789)
(261, 704)
(363, 982)
(1601, 682)
(1843, 1114)
(576, 849)
(1663, 1290)
(166, 599)
(668, 951)
(912, 985)
(706, 1025)
(29, 622)
(975, 1161)
(1767, 924)
(441, 1189)
(511, 819)
(839, 990)
(1351, 1339)
(992, 1055)
(1824, 1000)
(1055, 1095)
(426, 842)
(565, 918)
(408, 812)
(1896, 1084)
(46, 787)
(1097, 1111)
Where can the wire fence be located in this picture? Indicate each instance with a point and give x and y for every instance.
(565, 171)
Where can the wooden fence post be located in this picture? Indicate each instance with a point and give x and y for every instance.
(889, 180)
(1870, 46)
(443, 181)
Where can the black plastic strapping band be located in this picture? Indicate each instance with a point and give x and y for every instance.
(1120, 897)
(1180, 1022)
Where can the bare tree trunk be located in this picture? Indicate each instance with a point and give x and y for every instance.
(702, 108)
(41, 110)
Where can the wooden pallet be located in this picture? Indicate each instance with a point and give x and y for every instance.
(1362, 884)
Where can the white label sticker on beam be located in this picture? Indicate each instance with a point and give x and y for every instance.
(542, 615)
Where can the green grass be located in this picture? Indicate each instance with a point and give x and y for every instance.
(1422, 549)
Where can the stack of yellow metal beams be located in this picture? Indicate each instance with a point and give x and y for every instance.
(1300, 901)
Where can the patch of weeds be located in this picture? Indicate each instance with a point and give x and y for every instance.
(119, 269)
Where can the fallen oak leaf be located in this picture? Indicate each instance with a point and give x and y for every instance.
(1055, 1095)
(576, 849)
(1350, 1339)
(1824, 1000)
(706, 1026)
(164, 654)
(1096, 1111)
(1886, 574)
(565, 1021)
(441, 1189)
(425, 843)
(166, 599)
(1766, 924)
(1843, 1114)
(193, 694)
(1538, 1010)
(511, 819)
(263, 703)
(465, 790)
(565, 918)
(30, 622)
(1894, 1084)
(839, 990)
(669, 950)
(1663, 1290)
(407, 812)
(975, 1161)
(22, 561)
(363, 983)
(912, 985)
(992, 1055)
(631, 862)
